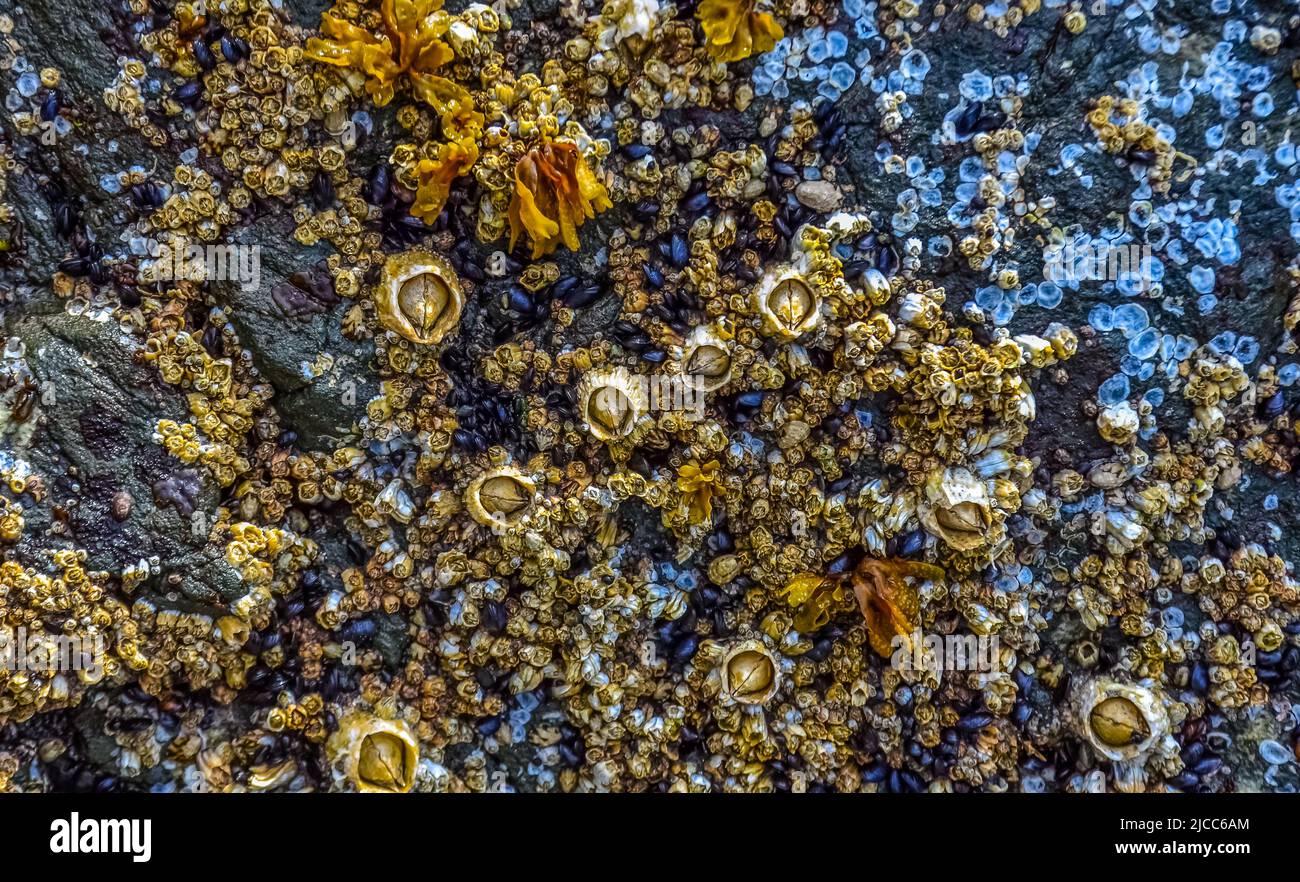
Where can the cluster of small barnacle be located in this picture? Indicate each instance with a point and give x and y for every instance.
(1122, 131)
(224, 395)
(193, 209)
(1006, 16)
(39, 611)
(125, 96)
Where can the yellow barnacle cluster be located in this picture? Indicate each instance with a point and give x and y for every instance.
(249, 92)
(252, 550)
(193, 210)
(1251, 587)
(208, 650)
(224, 399)
(1119, 126)
(60, 632)
(1213, 381)
(305, 716)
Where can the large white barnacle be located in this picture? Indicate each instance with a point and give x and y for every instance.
(788, 305)
(376, 755)
(419, 297)
(750, 673)
(706, 360)
(957, 509)
(1122, 721)
(612, 403)
(500, 497)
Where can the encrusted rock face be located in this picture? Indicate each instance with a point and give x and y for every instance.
(628, 395)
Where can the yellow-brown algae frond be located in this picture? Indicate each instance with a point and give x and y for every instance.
(555, 193)
(436, 175)
(411, 46)
(699, 483)
(890, 604)
(814, 596)
(734, 30)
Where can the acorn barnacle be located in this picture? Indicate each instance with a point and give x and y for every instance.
(1122, 721)
(788, 304)
(419, 297)
(1118, 423)
(500, 497)
(377, 755)
(706, 360)
(957, 509)
(750, 673)
(613, 403)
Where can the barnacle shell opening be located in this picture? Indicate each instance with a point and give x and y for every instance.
(612, 402)
(419, 297)
(376, 755)
(1122, 721)
(750, 673)
(501, 497)
(957, 509)
(706, 360)
(788, 305)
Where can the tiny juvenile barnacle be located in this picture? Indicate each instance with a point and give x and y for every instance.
(419, 297)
